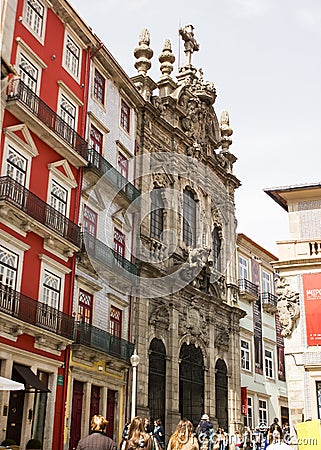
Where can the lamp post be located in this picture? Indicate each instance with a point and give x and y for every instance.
(134, 359)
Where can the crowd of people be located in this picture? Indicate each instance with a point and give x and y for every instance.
(140, 434)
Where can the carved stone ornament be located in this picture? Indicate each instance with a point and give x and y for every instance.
(288, 306)
(222, 341)
(199, 122)
(143, 53)
(194, 324)
(197, 260)
(160, 317)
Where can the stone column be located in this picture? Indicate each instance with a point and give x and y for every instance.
(172, 375)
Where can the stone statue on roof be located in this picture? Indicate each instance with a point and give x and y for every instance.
(190, 43)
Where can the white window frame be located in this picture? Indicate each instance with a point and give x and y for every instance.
(68, 66)
(29, 54)
(243, 268)
(63, 97)
(266, 281)
(51, 294)
(18, 247)
(248, 419)
(248, 352)
(60, 180)
(269, 363)
(30, 27)
(15, 146)
(263, 411)
(14, 165)
(50, 265)
(59, 201)
(9, 265)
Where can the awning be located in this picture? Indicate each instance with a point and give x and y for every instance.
(31, 380)
(10, 385)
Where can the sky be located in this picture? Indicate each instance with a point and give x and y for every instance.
(264, 57)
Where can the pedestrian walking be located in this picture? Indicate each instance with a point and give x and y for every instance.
(183, 437)
(277, 440)
(205, 433)
(97, 438)
(138, 438)
(159, 433)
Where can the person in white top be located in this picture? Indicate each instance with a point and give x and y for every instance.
(277, 441)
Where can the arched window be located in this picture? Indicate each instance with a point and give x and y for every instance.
(157, 213)
(191, 382)
(217, 246)
(189, 218)
(157, 380)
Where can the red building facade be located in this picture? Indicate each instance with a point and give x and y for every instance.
(42, 156)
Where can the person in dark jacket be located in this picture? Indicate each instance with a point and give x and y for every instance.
(97, 438)
(159, 433)
(204, 432)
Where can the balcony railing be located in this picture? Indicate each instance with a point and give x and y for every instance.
(36, 313)
(248, 288)
(269, 301)
(103, 341)
(97, 162)
(18, 90)
(107, 256)
(15, 194)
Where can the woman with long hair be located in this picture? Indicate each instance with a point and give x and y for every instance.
(183, 437)
(137, 436)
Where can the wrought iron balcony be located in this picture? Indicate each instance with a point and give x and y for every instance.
(248, 290)
(15, 194)
(36, 313)
(20, 93)
(269, 302)
(103, 341)
(102, 167)
(106, 256)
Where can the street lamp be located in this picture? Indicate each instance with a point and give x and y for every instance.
(134, 359)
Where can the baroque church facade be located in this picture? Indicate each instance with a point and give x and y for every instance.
(186, 313)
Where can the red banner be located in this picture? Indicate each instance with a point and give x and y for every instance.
(244, 401)
(312, 304)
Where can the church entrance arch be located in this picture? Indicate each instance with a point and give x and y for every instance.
(157, 380)
(191, 383)
(221, 394)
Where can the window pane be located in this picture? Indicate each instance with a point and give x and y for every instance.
(99, 87)
(58, 197)
(189, 218)
(8, 267)
(34, 15)
(51, 289)
(72, 55)
(122, 163)
(96, 139)
(16, 166)
(28, 72)
(124, 116)
(157, 214)
(115, 321)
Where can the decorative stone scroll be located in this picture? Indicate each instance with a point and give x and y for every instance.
(288, 306)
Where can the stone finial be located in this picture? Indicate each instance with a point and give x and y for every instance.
(226, 130)
(166, 58)
(143, 53)
(190, 43)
